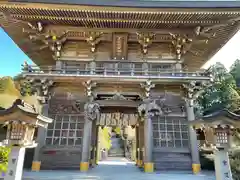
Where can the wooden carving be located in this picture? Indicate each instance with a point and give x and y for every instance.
(93, 38)
(165, 104)
(147, 86)
(41, 87)
(180, 44)
(89, 85)
(145, 40)
(149, 108)
(171, 103)
(51, 40)
(92, 111)
(64, 107)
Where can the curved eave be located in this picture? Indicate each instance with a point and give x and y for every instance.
(24, 112)
(221, 117)
(16, 16)
(14, 29)
(222, 113)
(18, 105)
(142, 3)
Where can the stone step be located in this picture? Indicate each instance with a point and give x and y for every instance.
(173, 165)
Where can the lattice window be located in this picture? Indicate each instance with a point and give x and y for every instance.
(222, 137)
(170, 132)
(66, 130)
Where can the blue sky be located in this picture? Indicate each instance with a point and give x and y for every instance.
(11, 57)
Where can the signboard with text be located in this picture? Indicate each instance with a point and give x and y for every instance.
(117, 119)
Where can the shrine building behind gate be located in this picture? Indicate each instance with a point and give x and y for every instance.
(118, 64)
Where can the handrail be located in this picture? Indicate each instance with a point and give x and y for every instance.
(109, 71)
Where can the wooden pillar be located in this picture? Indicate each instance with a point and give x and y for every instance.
(93, 144)
(86, 144)
(91, 113)
(196, 166)
(141, 144)
(36, 164)
(148, 144)
(137, 145)
(147, 110)
(97, 145)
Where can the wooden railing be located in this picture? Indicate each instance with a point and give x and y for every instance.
(101, 71)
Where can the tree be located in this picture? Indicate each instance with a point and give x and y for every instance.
(221, 94)
(235, 71)
(8, 92)
(23, 86)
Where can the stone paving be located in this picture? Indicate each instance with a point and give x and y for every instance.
(115, 170)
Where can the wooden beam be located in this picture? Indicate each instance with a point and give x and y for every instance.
(120, 20)
(110, 30)
(51, 6)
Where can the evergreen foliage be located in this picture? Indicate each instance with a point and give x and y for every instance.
(224, 93)
(4, 152)
(7, 86)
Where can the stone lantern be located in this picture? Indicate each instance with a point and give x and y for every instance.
(21, 120)
(218, 129)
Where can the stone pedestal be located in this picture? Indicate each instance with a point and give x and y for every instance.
(15, 163)
(222, 165)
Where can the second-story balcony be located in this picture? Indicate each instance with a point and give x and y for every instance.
(111, 74)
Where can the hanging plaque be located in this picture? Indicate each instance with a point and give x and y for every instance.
(117, 119)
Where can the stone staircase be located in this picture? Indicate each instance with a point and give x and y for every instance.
(167, 161)
(117, 148)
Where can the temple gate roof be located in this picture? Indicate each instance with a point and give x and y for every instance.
(209, 28)
(23, 112)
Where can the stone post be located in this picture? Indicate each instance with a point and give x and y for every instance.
(15, 163)
(222, 165)
(92, 112)
(41, 133)
(193, 143)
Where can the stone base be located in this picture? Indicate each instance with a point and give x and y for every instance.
(196, 168)
(148, 167)
(36, 165)
(84, 166)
